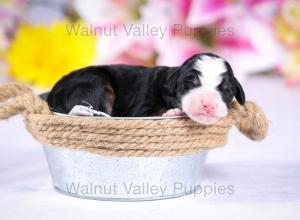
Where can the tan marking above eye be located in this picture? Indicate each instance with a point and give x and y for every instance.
(110, 98)
(196, 82)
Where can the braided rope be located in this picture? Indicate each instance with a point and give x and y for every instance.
(157, 137)
(19, 98)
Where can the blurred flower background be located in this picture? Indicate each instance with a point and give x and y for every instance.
(42, 40)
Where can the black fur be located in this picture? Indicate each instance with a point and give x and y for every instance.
(137, 90)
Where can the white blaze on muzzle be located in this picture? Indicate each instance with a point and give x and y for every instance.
(205, 104)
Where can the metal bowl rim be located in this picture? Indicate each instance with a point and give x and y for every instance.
(45, 95)
(124, 118)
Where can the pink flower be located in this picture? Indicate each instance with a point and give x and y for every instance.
(176, 50)
(209, 11)
(131, 52)
(251, 48)
(9, 16)
(206, 12)
(150, 49)
(174, 11)
(244, 33)
(105, 12)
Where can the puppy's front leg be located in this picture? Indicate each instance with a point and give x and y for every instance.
(173, 112)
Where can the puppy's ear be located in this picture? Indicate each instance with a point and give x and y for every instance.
(239, 93)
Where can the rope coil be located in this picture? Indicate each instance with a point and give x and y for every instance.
(158, 137)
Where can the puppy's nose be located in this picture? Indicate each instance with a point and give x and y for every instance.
(208, 108)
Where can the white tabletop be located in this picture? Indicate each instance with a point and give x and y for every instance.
(265, 175)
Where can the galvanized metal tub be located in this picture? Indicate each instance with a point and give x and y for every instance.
(86, 175)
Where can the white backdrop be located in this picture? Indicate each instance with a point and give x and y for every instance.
(265, 175)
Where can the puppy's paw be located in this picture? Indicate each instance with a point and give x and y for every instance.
(173, 112)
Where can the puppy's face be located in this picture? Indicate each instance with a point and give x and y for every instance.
(206, 86)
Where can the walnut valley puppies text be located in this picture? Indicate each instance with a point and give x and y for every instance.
(148, 189)
(146, 30)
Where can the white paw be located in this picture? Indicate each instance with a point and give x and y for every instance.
(173, 112)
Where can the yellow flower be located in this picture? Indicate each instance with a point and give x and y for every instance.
(41, 55)
(291, 67)
(287, 24)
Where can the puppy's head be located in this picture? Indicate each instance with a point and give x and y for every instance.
(206, 87)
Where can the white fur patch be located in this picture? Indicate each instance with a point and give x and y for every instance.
(211, 69)
(80, 110)
(195, 99)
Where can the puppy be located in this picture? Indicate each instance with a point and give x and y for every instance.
(203, 88)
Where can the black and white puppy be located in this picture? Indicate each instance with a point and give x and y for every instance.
(203, 87)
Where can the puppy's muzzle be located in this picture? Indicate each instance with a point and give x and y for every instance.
(204, 105)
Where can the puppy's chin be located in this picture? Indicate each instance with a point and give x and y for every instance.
(204, 106)
(203, 119)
